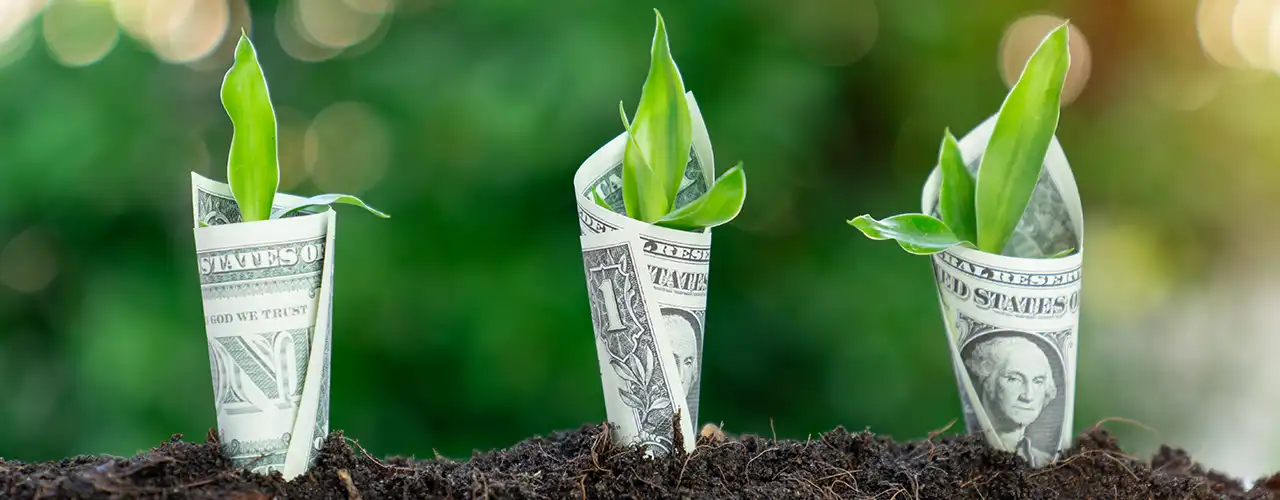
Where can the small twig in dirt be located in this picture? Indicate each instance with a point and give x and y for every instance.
(843, 472)
(379, 463)
(1060, 463)
(748, 467)
(600, 442)
(934, 434)
(808, 483)
(582, 485)
(1123, 466)
(775, 432)
(1132, 422)
(687, 458)
(894, 491)
(211, 437)
(352, 492)
(781, 472)
(829, 445)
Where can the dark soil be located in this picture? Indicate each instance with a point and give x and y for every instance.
(584, 463)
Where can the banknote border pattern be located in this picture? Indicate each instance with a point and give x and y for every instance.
(309, 282)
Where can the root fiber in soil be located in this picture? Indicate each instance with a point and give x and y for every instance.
(585, 463)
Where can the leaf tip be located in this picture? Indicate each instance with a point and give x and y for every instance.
(659, 32)
(244, 47)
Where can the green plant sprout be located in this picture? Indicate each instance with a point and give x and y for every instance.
(984, 215)
(657, 152)
(253, 166)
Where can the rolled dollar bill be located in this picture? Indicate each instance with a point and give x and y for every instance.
(1011, 319)
(267, 289)
(647, 287)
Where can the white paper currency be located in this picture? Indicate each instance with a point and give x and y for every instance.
(648, 291)
(1011, 320)
(267, 290)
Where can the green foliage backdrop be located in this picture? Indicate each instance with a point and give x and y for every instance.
(462, 323)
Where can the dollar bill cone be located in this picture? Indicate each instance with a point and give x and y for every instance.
(265, 262)
(1002, 221)
(647, 201)
(267, 294)
(1011, 321)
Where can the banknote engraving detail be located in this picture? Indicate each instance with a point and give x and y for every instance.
(647, 287)
(1018, 377)
(1011, 318)
(264, 285)
(620, 317)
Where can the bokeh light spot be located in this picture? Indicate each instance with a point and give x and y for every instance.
(28, 263)
(17, 45)
(291, 38)
(183, 31)
(132, 16)
(15, 14)
(1023, 37)
(347, 148)
(334, 23)
(1250, 31)
(80, 32)
(1213, 25)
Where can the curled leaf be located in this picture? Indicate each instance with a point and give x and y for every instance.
(918, 234)
(325, 200)
(718, 205)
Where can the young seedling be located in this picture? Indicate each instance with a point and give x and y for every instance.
(657, 152)
(647, 201)
(984, 216)
(253, 166)
(273, 274)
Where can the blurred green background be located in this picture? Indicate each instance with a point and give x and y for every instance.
(462, 323)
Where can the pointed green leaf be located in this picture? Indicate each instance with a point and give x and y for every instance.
(718, 205)
(253, 169)
(326, 200)
(643, 191)
(662, 126)
(918, 234)
(1015, 154)
(595, 194)
(956, 199)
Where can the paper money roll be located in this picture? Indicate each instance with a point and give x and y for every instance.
(647, 287)
(1011, 320)
(267, 289)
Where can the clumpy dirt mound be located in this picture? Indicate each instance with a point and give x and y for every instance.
(585, 463)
